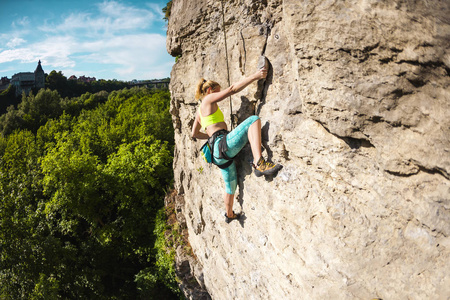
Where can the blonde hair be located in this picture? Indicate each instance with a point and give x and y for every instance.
(203, 86)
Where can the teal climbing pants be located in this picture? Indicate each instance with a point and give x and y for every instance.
(236, 140)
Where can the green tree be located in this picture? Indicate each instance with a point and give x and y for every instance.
(80, 196)
(166, 10)
(37, 110)
(10, 121)
(20, 193)
(8, 98)
(56, 81)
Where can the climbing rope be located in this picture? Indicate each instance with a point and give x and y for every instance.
(261, 64)
(226, 57)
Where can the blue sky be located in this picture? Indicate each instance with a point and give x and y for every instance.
(105, 39)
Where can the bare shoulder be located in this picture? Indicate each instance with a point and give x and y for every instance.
(218, 96)
(207, 100)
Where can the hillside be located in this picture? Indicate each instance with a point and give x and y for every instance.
(82, 186)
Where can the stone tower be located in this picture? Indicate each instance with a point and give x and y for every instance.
(39, 77)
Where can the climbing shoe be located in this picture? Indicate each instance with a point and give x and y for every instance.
(266, 168)
(234, 217)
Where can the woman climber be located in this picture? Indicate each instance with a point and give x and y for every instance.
(226, 145)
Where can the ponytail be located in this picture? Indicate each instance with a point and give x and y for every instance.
(202, 86)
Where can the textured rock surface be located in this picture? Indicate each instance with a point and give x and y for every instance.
(357, 109)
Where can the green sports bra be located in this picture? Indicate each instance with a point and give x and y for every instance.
(214, 118)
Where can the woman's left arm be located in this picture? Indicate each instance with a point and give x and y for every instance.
(196, 129)
(236, 87)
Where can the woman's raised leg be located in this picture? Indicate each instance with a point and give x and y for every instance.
(254, 138)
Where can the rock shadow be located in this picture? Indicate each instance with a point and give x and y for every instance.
(265, 140)
(263, 87)
(244, 166)
(244, 161)
(266, 147)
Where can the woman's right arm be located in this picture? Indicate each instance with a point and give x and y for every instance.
(196, 129)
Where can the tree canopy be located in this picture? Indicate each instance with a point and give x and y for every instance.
(81, 183)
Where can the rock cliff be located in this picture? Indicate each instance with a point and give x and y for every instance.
(356, 107)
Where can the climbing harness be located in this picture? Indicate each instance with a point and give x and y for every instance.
(226, 57)
(207, 150)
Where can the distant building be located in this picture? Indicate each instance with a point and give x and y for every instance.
(25, 81)
(153, 84)
(86, 79)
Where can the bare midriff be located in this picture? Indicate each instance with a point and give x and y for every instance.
(215, 127)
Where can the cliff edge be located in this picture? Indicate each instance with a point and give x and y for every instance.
(356, 107)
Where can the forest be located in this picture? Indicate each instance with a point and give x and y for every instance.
(65, 87)
(82, 186)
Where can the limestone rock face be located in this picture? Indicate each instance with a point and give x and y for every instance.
(356, 106)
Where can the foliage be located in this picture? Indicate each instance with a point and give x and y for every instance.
(8, 98)
(163, 271)
(74, 88)
(56, 81)
(167, 10)
(35, 111)
(81, 182)
(165, 254)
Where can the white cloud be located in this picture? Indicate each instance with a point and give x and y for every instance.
(114, 18)
(53, 51)
(123, 17)
(56, 51)
(128, 51)
(14, 42)
(116, 38)
(11, 55)
(71, 22)
(157, 9)
(24, 21)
